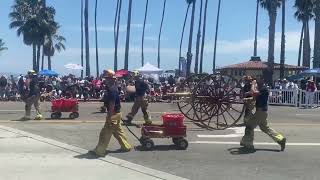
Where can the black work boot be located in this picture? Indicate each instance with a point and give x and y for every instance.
(282, 143)
(127, 121)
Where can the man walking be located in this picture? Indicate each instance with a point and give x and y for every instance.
(32, 97)
(260, 119)
(140, 100)
(113, 120)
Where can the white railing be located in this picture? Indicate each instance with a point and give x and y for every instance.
(309, 99)
(287, 97)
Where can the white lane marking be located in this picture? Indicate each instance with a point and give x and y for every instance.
(257, 143)
(238, 132)
(315, 115)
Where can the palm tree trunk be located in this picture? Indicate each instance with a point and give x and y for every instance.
(182, 35)
(196, 66)
(82, 37)
(216, 38)
(126, 55)
(300, 45)
(203, 36)
(189, 54)
(159, 38)
(38, 57)
(86, 25)
(316, 56)
(42, 59)
(306, 46)
(117, 24)
(255, 51)
(49, 62)
(283, 40)
(96, 37)
(34, 54)
(272, 31)
(143, 31)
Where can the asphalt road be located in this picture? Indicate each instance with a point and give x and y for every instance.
(211, 154)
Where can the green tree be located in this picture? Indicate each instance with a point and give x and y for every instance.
(255, 49)
(2, 46)
(271, 6)
(96, 37)
(52, 44)
(283, 40)
(86, 29)
(126, 55)
(203, 36)
(33, 20)
(117, 20)
(82, 13)
(304, 14)
(143, 32)
(216, 38)
(189, 54)
(159, 38)
(316, 56)
(196, 67)
(182, 34)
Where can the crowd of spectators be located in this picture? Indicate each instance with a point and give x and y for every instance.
(85, 89)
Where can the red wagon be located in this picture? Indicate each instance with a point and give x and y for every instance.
(172, 127)
(64, 105)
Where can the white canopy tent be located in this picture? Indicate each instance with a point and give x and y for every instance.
(149, 69)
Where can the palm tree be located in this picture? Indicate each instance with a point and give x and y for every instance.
(271, 6)
(255, 51)
(203, 36)
(126, 56)
(300, 46)
(53, 43)
(198, 40)
(2, 46)
(33, 23)
(304, 14)
(316, 56)
(144, 27)
(283, 40)
(216, 38)
(82, 37)
(86, 28)
(96, 36)
(116, 33)
(189, 54)
(159, 38)
(182, 34)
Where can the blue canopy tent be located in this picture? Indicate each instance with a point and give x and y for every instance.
(311, 72)
(48, 73)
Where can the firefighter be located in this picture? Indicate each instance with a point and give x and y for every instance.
(32, 96)
(248, 100)
(259, 118)
(140, 100)
(113, 120)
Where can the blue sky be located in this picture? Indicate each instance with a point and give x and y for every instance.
(235, 43)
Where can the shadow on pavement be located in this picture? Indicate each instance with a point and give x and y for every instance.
(92, 155)
(159, 148)
(242, 150)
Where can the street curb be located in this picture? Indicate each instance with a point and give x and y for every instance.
(108, 159)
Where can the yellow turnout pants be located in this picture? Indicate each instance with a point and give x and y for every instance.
(259, 119)
(33, 100)
(139, 102)
(249, 104)
(112, 127)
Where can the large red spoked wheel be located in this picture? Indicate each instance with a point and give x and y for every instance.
(216, 103)
(186, 103)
